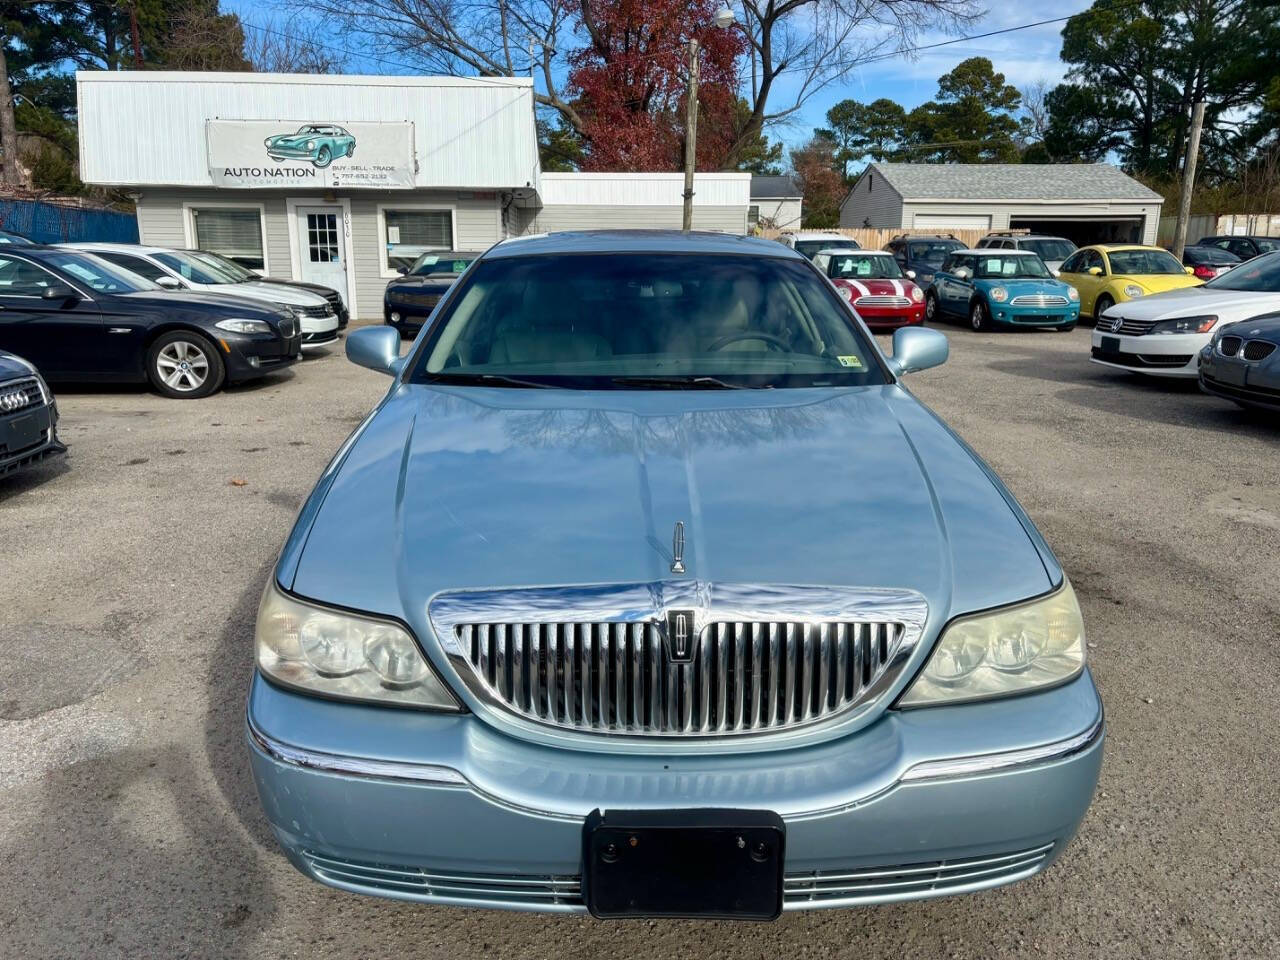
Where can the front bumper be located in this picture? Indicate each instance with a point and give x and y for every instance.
(891, 318)
(42, 422)
(1067, 316)
(247, 357)
(441, 808)
(1156, 355)
(319, 331)
(1251, 383)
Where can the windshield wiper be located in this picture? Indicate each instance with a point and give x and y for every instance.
(483, 378)
(695, 382)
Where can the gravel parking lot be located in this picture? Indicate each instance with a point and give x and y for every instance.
(128, 821)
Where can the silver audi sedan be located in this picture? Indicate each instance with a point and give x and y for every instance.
(649, 589)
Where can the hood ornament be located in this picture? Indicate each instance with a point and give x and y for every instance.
(677, 548)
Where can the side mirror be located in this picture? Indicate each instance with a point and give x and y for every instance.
(911, 274)
(1095, 271)
(59, 293)
(960, 273)
(169, 283)
(377, 348)
(917, 348)
(402, 270)
(1190, 270)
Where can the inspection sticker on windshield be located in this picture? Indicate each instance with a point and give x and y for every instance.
(853, 360)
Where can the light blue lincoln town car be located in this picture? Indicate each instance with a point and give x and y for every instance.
(649, 589)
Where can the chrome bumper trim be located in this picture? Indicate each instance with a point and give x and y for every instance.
(355, 766)
(999, 762)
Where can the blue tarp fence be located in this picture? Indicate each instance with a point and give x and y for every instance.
(56, 223)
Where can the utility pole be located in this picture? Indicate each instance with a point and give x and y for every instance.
(690, 135)
(1188, 179)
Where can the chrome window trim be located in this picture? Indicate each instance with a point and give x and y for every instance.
(642, 603)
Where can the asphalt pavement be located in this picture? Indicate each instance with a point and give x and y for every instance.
(129, 826)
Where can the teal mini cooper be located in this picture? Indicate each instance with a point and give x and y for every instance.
(1001, 288)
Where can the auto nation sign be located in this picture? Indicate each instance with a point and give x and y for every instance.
(323, 152)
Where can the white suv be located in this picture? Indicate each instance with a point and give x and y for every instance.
(183, 270)
(1052, 250)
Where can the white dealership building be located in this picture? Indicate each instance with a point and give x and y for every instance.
(341, 179)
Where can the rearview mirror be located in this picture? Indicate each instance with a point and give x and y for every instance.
(169, 283)
(377, 348)
(917, 348)
(59, 292)
(1095, 271)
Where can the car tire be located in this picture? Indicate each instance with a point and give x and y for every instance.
(324, 157)
(351, 150)
(1066, 329)
(932, 312)
(204, 371)
(1101, 306)
(978, 316)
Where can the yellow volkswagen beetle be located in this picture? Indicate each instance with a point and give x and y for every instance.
(1106, 275)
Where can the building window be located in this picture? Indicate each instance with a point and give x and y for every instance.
(753, 214)
(411, 233)
(232, 232)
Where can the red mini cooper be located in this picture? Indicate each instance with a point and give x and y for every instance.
(872, 281)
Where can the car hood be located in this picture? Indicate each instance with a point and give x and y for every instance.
(1196, 300)
(454, 488)
(876, 288)
(1159, 282)
(225, 304)
(13, 366)
(271, 292)
(1024, 287)
(418, 284)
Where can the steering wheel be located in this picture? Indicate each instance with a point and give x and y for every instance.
(769, 338)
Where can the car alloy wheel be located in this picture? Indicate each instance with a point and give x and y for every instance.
(1101, 306)
(184, 365)
(931, 308)
(323, 156)
(978, 316)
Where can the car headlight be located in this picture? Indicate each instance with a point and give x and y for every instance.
(344, 655)
(1073, 293)
(1133, 290)
(1185, 325)
(236, 325)
(846, 293)
(917, 294)
(1004, 652)
(999, 294)
(311, 144)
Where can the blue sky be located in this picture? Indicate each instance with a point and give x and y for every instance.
(1024, 57)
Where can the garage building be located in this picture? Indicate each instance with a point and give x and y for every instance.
(1084, 202)
(342, 180)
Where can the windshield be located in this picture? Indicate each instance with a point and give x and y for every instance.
(1007, 266)
(811, 248)
(1048, 249)
(1265, 245)
(644, 321)
(194, 268)
(435, 263)
(866, 266)
(220, 263)
(1131, 263)
(99, 275)
(1261, 274)
(933, 252)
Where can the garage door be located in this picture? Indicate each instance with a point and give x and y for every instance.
(950, 221)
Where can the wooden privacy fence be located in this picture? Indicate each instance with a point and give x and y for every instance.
(872, 238)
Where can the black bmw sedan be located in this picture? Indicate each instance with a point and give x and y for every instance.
(409, 300)
(79, 318)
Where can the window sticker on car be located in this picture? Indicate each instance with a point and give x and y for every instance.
(853, 360)
(459, 266)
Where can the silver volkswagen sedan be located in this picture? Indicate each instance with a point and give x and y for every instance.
(649, 589)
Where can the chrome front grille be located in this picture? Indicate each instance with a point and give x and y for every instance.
(20, 395)
(288, 327)
(1132, 328)
(316, 313)
(882, 301)
(1038, 300)
(603, 665)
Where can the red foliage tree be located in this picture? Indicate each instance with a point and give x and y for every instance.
(630, 81)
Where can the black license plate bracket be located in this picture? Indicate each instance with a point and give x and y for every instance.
(1110, 344)
(706, 863)
(23, 432)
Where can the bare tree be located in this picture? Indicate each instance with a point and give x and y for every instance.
(292, 45)
(1035, 111)
(802, 46)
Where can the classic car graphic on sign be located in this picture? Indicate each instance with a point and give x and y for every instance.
(321, 143)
